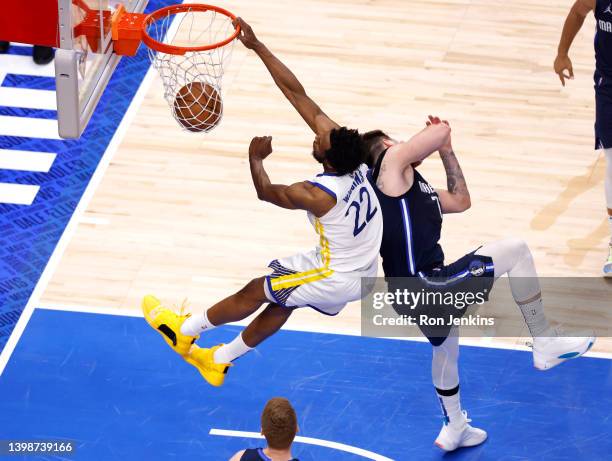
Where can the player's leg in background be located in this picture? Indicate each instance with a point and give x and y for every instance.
(445, 376)
(607, 270)
(456, 432)
(603, 140)
(551, 346)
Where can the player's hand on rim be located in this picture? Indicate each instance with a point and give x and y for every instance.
(260, 148)
(246, 35)
(563, 68)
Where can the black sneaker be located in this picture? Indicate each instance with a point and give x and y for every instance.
(4, 46)
(43, 54)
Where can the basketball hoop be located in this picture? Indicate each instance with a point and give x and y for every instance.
(190, 45)
(155, 29)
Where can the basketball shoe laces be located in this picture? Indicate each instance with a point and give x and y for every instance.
(181, 310)
(465, 415)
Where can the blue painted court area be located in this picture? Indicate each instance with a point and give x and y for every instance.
(30, 233)
(110, 384)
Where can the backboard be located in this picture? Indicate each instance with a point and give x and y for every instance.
(84, 61)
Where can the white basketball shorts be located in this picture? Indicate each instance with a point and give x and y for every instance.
(302, 281)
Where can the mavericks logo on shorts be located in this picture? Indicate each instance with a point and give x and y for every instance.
(476, 268)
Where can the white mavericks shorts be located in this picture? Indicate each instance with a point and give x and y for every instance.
(302, 280)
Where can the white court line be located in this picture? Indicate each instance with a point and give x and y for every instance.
(307, 440)
(18, 194)
(16, 64)
(31, 99)
(28, 127)
(25, 160)
(485, 342)
(70, 229)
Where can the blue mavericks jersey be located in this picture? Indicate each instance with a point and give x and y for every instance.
(603, 36)
(256, 454)
(412, 224)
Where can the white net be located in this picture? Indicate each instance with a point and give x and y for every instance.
(193, 81)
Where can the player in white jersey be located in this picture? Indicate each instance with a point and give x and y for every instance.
(344, 211)
(330, 276)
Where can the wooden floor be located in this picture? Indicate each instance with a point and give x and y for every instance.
(176, 213)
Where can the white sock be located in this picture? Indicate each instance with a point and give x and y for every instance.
(230, 352)
(533, 312)
(451, 408)
(610, 224)
(196, 324)
(445, 362)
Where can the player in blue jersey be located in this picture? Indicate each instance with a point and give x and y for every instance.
(278, 426)
(412, 215)
(603, 83)
(412, 221)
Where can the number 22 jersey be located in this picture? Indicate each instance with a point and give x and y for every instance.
(351, 232)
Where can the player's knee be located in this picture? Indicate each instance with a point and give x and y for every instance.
(254, 290)
(445, 353)
(518, 247)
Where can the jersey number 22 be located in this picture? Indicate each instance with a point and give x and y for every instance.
(360, 225)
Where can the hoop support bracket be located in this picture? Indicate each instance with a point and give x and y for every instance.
(126, 31)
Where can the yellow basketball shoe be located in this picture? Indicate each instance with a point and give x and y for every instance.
(204, 361)
(168, 324)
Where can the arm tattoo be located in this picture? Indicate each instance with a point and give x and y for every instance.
(454, 176)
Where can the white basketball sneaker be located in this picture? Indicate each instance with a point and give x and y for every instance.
(607, 269)
(460, 435)
(552, 348)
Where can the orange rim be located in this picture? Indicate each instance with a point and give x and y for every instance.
(183, 8)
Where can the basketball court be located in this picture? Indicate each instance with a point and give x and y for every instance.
(132, 204)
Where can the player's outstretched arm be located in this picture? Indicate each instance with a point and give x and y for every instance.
(573, 23)
(456, 197)
(420, 146)
(298, 196)
(288, 83)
